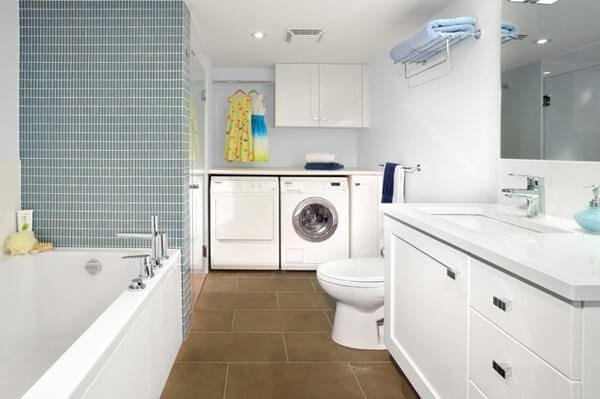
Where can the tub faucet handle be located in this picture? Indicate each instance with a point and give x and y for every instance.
(145, 263)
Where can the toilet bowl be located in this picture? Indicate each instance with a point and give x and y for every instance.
(357, 287)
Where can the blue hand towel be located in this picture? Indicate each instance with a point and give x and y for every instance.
(387, 194)
(508, 30)
(456, 28)
(323, 166)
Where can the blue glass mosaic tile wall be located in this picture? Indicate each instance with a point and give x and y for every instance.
(104, 89)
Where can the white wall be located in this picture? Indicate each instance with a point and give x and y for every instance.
(287, 146)
(564, 181)
(522, 112)
(451, 125)
(9, 78)
(10, 173)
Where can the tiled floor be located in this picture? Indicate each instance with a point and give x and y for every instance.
(267, 335)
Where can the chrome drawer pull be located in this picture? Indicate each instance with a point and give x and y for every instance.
(502, 304)
(503, 369)
(451, 273)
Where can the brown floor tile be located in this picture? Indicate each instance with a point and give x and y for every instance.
(292, 274)
(242, 273)
(274, 284)
(319, 347)
(383, 381)
(233, 300)
(330, 315)
(232, 347)
(316, 285)
(291, 381)
(194, 381)
(219, 284)
(212, 320)
(280, 321)
(304, 301)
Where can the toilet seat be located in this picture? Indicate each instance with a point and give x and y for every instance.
(355, 272)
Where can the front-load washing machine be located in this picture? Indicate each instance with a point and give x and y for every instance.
(315, 225)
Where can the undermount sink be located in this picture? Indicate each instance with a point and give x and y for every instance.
(498, 224)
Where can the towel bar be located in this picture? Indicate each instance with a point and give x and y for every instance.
(407, 169)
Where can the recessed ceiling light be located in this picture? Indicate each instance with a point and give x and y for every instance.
(542, 41)
(258, 35)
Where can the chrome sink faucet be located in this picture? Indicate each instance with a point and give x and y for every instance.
(159, 242)
(535, 194)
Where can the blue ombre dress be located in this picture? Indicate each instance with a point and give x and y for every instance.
(259, 130)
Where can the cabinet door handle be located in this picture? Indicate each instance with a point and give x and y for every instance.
(323, 118)
(452, 273)
(315, 118)
(504, 370)
(503, 304)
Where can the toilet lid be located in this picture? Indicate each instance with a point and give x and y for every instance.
(361, 270)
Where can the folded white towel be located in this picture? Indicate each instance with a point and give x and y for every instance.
(320, 157)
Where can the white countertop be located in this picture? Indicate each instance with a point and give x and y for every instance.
(290, 172)
(566, 264)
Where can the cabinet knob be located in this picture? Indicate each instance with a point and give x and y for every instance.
(315, 118)
(504, 370)
(502, 303)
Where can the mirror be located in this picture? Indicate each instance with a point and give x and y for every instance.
(551, 81)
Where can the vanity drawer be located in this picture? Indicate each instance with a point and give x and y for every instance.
(548, 326)
(452, 259)
(504, 369)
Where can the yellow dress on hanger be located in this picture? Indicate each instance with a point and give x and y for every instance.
(238, 133)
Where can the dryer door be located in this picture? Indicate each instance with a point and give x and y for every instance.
(315, 219)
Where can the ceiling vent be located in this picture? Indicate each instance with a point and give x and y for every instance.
(314, 35)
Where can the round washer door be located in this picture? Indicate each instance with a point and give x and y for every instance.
(315, 219)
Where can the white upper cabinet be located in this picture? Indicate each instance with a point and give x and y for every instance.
(340, 95)
(297, 95)
(326, 95)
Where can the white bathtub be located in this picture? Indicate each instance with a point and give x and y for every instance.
(68, 333)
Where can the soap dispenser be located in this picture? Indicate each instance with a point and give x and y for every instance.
(590, 218)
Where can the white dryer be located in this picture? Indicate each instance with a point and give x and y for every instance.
(244, 222)
(314, 221)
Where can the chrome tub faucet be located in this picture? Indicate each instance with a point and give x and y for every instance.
(159, 242)
(534, 194)
(147, 262)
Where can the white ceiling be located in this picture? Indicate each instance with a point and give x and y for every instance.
(571, 24)
(355, 30)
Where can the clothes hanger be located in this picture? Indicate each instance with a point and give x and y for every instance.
(239, 91)
(253, 91)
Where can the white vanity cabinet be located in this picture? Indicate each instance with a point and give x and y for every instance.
(462, 327)
(426, 311)
(321, 95)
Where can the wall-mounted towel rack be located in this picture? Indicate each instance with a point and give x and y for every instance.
(407, 169)
(422, 55)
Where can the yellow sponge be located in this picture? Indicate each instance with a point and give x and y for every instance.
(20, 243)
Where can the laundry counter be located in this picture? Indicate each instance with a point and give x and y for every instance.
(292, 172)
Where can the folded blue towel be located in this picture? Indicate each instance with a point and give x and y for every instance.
(508, 30)
(454, 28)
(387, 194)
(323, 166)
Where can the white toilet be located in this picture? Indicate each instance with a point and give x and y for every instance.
(357, 286)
